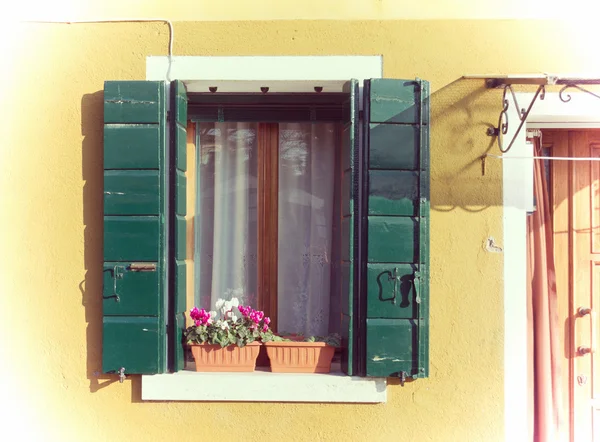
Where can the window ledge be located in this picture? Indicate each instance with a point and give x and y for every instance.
(263, 386)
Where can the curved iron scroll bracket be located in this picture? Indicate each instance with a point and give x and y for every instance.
(502, 128)
(563, 95)
(565, 98)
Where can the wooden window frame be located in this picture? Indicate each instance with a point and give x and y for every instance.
(268, 219)
(318, 108)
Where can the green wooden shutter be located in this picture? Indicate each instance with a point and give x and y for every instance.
(349, 227)
(394, 255)
(144, 227)
(177, 254)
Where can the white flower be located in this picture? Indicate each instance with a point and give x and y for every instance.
(219, 303)
(224, 325)
(235, 302)
(213, 314)
(233, 317)
(226, 307)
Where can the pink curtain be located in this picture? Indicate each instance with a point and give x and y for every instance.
(543, 315)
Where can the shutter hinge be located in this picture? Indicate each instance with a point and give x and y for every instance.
(422, 203)
(417, 286)
(122, 375)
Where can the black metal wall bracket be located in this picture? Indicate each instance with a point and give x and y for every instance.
(506, 83)
(503, 121)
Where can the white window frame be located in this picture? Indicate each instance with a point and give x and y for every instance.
(249, 74)
(583, 111)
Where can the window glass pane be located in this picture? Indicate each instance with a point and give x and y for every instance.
(306, 199)
(226, 213)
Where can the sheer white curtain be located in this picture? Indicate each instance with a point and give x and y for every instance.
(306, 191)
(226, 213)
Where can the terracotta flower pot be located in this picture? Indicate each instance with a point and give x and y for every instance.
(300, 357)
(212, 357)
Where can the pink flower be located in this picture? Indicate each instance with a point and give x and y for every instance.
(267, 320)
(245, 311)
(195, 313)
(256, 316)
(265, 328)
(200, 317)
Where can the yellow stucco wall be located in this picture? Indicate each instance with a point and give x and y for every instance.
(208, 10)
(51, 226)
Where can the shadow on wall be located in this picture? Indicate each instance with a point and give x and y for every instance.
(461, 113)
(92, 129)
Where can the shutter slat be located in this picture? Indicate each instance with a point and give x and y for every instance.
(131, 238)
(136, 291)
(131, 146)
(131, 342)
(393, 192)
(133, 102)
(131, 192)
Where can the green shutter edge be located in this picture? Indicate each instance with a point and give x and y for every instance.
(177, 225)
(349, 228)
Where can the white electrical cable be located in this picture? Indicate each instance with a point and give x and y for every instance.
(508, 157)
(123, 20)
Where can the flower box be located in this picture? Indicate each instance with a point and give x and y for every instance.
(231, 342)
(299, 357)
(213, 357)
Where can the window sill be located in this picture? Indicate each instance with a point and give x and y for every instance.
(263, 386)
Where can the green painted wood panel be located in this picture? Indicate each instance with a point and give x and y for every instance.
(393, 192)
(135, 173)
(131, 342)
(391, 291)
(181, 143)
(131, 238)
(133, 101)
(180, 193)
(180, 235)
(347, 286)
(181, 100)
(393, 146)
(393, 101)
(395, 288)
(180, 287)
(391, 347)
(136, 292)
(131, 192)
(131, 146)
(179, 348)
(392, 239)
